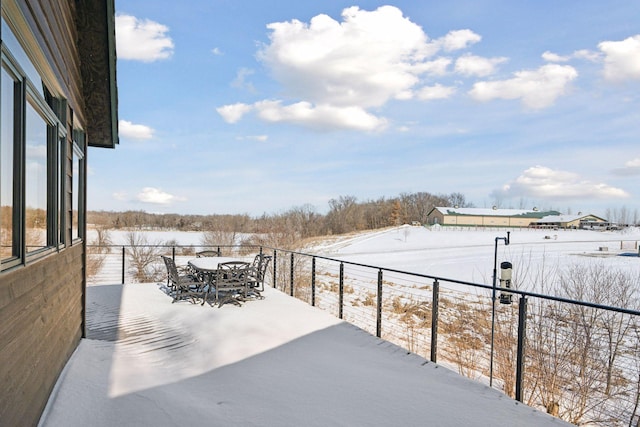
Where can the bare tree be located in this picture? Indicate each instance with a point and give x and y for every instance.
(97, 250)
(225, 240)
(574, 351)
(143, 257)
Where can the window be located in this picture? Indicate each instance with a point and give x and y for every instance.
(62, 152)
(41, 182)
(76, 189)
(8, 248)
(36, 180)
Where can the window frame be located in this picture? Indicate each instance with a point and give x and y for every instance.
(40, 107)
(78, 154)
(17, 231)
(53, 111)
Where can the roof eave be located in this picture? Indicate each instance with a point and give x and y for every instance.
(97, 47)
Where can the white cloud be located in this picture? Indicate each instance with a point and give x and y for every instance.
(334, 72)
(631, 168)
(545, 183)
(156, 196)
(554, 57)
(36, 151)
(458, 39)
(216, 51)
(241, 79)
(437, 67)
(126, 129)
(436, 91)
(142, 39)
(233, 113)
(260, 138)
(120, 196)
(322, 117)
(587, 54)
(472, 65)
(578, 54)
(535, 88)
(365, 60)
(622, 59)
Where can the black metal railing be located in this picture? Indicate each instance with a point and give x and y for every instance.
(576, 359)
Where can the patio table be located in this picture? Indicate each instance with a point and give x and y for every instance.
(207, 267)
(210, 264)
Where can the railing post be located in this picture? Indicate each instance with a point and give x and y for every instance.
(123, 259)
(379, 306)
(341, 291)
(435, 300)
(173, 253)
(291, 276)
(313, 281)
(275, 269)
(522, 338)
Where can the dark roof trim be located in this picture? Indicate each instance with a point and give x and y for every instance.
(97, 49)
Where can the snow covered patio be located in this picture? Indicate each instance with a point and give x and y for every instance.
(271, 362)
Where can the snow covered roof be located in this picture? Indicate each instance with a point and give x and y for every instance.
(565, 218)
(524, 213)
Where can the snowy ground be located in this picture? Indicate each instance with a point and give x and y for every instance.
(468, 255)
(271, 362)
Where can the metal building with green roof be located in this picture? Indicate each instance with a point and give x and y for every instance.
(486, 217)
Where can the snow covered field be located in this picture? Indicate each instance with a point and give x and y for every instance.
(462, 254)
(468, 254)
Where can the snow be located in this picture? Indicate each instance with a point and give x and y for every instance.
(485, 211)
(279, 361)
(468, 254)
(275, 361)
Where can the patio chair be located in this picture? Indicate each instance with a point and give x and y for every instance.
(231, 283)
(169, 284)
(207, 253)
(181, 270)
(185, 285)
(258, 271)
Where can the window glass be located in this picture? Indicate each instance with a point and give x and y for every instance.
(75, 179)
(61, 187)
(35, 180)
(7, 247)
(10, 40)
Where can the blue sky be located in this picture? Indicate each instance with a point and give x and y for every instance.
(260, 106)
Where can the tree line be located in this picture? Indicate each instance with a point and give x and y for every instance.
(346, 214)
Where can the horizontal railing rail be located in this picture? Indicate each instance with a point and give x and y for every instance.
(579, 360)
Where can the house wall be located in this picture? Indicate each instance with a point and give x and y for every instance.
(41, 318)
(56, 56)
(42, 299)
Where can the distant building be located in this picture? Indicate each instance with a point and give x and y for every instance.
(587, 222)
(496, 217)
(486, 217)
